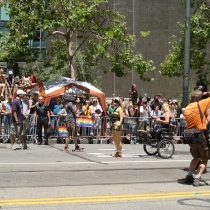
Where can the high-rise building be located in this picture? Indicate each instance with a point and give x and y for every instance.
(37, 43)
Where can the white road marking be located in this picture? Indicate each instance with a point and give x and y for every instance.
(110, 149)
(110, 162)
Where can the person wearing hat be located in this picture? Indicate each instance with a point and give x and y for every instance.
(18, 119)
(117, 122)
(10, 82)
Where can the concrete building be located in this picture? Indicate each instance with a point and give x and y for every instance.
(160, 17)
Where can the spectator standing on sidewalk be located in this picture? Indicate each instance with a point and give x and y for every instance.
(87, 112)
(32, 104)
(144, 117)
(18, 120)
(140, 102)
(54, 112)
(43, 119)
(97, 112)
(156, 113)
(70, 120)
(133, 93)
(26, 112)
(8, 116)
(155, 102)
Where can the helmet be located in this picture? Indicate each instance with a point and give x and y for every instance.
(69, 97)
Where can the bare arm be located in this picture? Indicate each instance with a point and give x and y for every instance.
(48, 115)
(167, 118)
(208, 116)
(15, 115)
(35, 115)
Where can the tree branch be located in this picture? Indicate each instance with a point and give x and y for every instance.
(58, 32)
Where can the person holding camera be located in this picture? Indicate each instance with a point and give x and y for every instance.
(18, 120)
(42, 114)
(70, 120)
(199, 119)
(117, 126)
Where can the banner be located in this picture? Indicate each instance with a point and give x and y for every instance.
(85, 122)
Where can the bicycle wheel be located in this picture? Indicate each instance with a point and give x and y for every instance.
(150, 149)
(165, 148)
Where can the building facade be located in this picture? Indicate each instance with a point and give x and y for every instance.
(160, 17)
(37, 43)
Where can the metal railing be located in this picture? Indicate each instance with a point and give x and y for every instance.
(93, 128)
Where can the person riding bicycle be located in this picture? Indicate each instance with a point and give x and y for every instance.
(164, 120)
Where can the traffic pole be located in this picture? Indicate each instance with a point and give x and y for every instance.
(186, 55)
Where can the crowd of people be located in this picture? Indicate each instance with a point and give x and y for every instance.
(22, 112)
(137, 113)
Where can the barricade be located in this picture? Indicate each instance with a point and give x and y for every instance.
(91, 130)
(132, 124)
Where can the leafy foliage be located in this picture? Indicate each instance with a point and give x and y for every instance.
(99, 32)
(173, 64)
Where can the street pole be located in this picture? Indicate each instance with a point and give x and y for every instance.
(186, 55)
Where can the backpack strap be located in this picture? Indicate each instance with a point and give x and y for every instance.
(201, 114)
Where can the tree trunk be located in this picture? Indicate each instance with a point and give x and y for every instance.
(71, 67)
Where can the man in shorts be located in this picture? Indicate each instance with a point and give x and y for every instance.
(70, 121)
(18, 121)
(199, 151)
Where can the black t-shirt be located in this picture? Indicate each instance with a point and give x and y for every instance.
(32, 110)
(41, 110)
(17, 106)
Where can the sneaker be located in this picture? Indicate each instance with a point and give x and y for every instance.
(24, 147)
(189, 179)
(198, 182)
(77, 147)
(13, 148)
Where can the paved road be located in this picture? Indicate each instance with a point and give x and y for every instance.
(44, 177)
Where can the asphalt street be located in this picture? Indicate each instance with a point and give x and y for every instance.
(44, 177)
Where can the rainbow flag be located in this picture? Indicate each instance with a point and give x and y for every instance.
(62, 131)
(85, 122)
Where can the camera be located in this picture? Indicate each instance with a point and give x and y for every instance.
(69, 97)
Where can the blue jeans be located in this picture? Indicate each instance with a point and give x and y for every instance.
(7, 124)
(54, 121)
(31, 126)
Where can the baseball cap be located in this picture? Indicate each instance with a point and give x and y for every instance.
(10, 72)
(20, 92)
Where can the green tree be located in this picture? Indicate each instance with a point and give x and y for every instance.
(99, 32)
(57, 67)
(173, 64)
